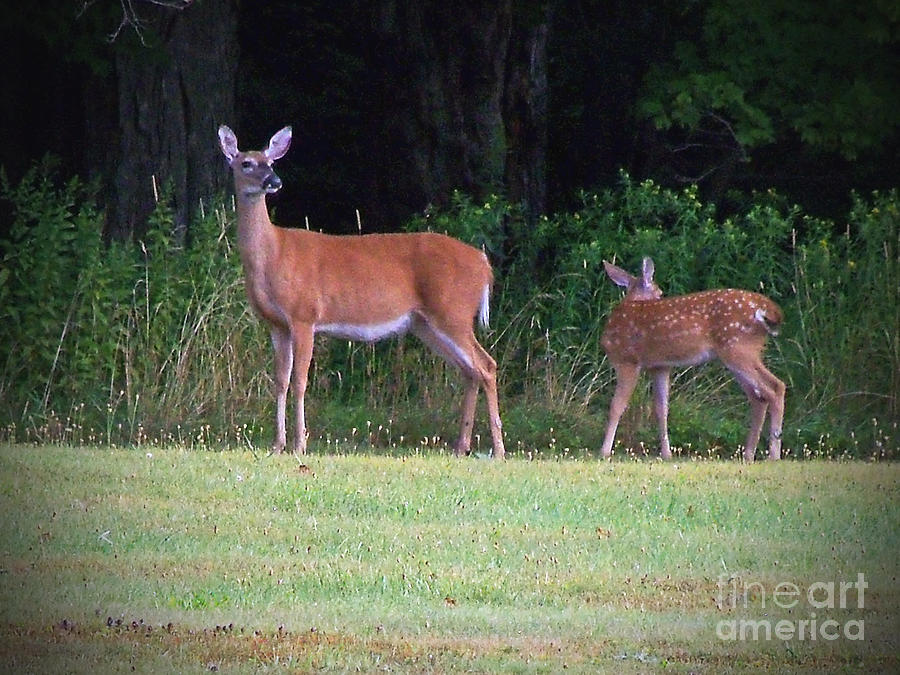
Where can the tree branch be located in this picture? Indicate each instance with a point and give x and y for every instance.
(130, 18)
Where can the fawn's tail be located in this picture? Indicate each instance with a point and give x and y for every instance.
(770, 316)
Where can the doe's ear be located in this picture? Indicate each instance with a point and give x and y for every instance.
(278, 145)
(619, 276)
(228, 142)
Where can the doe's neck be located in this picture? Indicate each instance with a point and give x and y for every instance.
(255, 232)
(252, 211)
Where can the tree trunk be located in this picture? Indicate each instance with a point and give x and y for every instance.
(171, 101)
(468, 100)
(525, 103)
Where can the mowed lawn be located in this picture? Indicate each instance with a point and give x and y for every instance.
(178, 560)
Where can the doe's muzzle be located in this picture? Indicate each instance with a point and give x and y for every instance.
(272, 183)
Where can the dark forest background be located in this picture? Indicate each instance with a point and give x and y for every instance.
(396, 103)
(742, 143)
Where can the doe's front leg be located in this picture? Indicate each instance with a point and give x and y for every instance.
(303, 349)
(284, 360)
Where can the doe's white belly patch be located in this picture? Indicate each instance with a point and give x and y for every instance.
(367, 332)
(373, 332)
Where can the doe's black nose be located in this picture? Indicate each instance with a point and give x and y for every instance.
(272, 183)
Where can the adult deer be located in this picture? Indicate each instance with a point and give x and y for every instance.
(649, 332)
(359, 288)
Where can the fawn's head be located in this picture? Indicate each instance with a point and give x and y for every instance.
(253, 172)
(637, 288)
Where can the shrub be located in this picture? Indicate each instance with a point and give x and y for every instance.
(148, 341)
(118, 342)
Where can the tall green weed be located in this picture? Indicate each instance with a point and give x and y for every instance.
(119, 342)
(129, 342)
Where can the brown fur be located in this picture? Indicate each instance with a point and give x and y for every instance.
(357, 287)
(649, 332)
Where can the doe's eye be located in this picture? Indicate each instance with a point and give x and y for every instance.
(247, 164)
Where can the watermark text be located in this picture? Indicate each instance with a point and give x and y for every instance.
(823, 600)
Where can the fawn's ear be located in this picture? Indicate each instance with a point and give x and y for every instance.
(228, 142)
(647, 271)
(619, 276)
(279, 144)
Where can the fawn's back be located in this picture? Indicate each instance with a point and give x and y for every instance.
(689, 329)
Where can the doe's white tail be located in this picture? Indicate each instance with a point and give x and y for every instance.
(484, 311)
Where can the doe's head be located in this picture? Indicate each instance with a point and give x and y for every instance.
(253, 172)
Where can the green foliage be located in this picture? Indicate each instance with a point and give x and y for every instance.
(688, 100)
(834, 285)
(109, 342)
(845, 357)
(41, 290)
(482, 225)
(821, 70)
(150, 341)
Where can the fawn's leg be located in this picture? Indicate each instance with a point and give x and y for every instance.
(765, 392)
(758, 407)
(626, 379)
(776, 390)
(661, 405)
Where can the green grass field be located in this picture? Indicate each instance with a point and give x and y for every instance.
(173, 560)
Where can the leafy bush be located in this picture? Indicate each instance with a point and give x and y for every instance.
(114, 342)
(837, 286)
(843, 356)
(148, 341)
